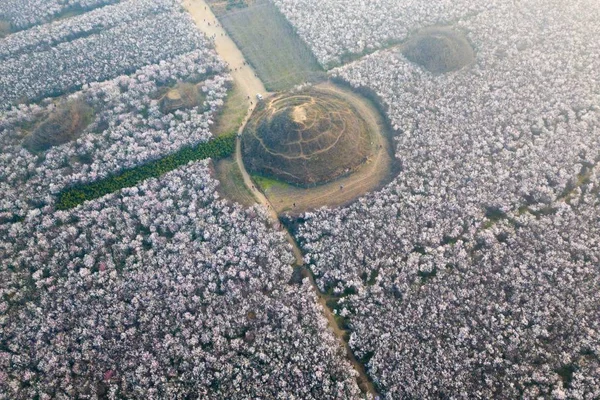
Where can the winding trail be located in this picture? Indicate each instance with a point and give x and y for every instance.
(249, 83)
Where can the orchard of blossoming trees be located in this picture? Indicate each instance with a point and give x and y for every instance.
(44, 37)
(339, 28)
(475, 273)
(101, 56)
(22, 14)
(128, 127)
(160, 291)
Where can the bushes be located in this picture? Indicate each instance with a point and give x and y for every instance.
(217, 148)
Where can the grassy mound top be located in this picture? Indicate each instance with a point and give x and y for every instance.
(305, 138)
(183, 95)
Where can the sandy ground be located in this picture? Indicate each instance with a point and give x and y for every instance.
(244, 75)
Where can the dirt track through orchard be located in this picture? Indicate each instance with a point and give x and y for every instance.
(249, 83)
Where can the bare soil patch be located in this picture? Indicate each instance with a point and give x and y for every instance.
(183, 95)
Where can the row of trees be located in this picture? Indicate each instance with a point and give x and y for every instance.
(101, 56)
(474, 270)
(45, 37)
(220, 147)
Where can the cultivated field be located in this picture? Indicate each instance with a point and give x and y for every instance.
(279, 56)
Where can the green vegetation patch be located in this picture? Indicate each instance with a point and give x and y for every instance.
(266, 183)
(231, 116)
(280, 58)
(231, 182)
(232, 4)
(220, 147)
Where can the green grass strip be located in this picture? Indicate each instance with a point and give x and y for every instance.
(217, 148)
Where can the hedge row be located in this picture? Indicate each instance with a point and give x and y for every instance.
(220, 147)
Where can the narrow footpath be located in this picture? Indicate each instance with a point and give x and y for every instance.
(249, 83)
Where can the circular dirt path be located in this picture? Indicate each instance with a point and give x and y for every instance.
(368, 177)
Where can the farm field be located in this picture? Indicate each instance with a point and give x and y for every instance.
(278, 55)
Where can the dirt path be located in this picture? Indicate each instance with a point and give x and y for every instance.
(249, 83)
(244, 75)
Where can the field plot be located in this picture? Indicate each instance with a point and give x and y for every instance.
(281, 59)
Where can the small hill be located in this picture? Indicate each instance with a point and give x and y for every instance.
(305, 138)
(182, 96)
(63, 124)
(5, 28)
(439, 50)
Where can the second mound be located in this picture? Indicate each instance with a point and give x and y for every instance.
(439, 50)
(305, 138)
